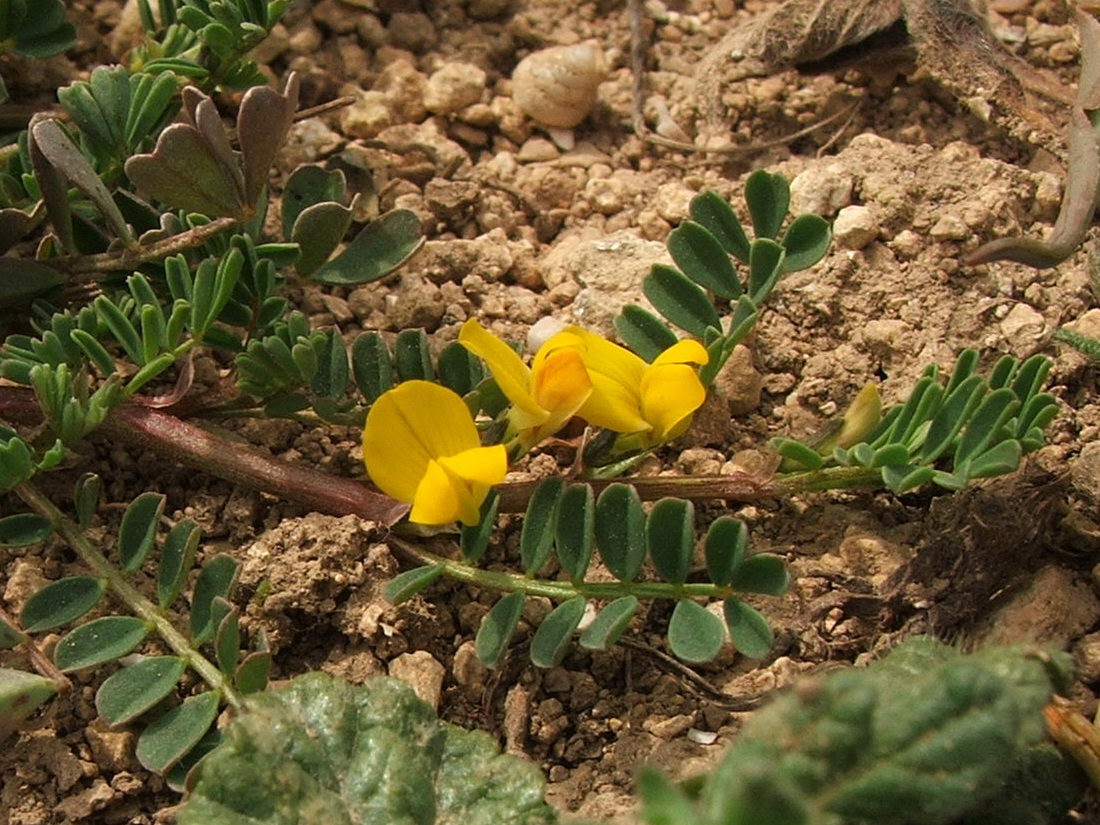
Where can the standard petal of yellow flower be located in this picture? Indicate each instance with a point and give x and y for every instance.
(671, 393)
(600, 355)
(420, 445)
(511, 374)
(613, 406)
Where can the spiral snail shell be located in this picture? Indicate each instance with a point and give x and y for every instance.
(557, 86)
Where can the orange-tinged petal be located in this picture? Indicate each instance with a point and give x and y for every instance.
(683, 352)
(613, 405)
(671, 393)
(561, 385)
(511, 374)
(408, 427)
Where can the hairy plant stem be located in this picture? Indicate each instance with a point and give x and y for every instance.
(557, 590)
(127, 593)
(90, 267)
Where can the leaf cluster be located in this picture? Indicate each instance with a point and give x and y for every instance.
(948, 432)
(175, 735)
(927, 735)
(705, 279)
(570, 525)
(34, 28)
(205, 41)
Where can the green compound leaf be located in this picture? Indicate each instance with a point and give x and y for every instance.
(749, 630)
(404, 586)
(762, 573)
(694, 633)
(10, 635)
(768, 197)
(331, 378)
(308, 185)
(765, 267)
(86, 493)
(701, 257)
(61, 602)
(227, 641)
(98, 641)
(996, 461)
(372, 366)
(609, 624)
(475, 540)
(459, 369)
(537, 535)
(497, 629)
(169, 737)
(710, 210)
(216, 579)
(412, 356)
(575, 534)
(128, 693)
(620, 530)
(992, 414)
(670, 538)
(176, 559)
(23, 530)
(799, 453)
(138, 530)
(253, 672)
(21, 694)
(380, 248)
(351, 755)
(552, 639)
(680, 300)
(806, 241)
(727, 540)
(643, 331)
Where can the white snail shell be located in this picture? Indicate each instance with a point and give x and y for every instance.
(557, 86)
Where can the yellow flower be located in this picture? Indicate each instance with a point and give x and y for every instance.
(420, 445)
(545, 395)
(655, 401)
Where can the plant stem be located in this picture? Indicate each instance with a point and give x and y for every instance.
(558, 590)
(90, 267)
(39, 660)
(127, 593)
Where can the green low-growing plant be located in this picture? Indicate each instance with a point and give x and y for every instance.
(142, 198)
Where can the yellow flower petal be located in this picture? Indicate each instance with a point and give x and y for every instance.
(613, 406)
(511, 374)
(437, 499)
(671, 393)
(407, 428)
(561, 386)
(683, 352)
(600, 355)
(482, 465)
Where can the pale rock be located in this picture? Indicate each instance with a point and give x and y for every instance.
(609, 271)
(111, 749)
(1087, 325)
(305, 38)
(454, 86)
(537, 149)
(404, 88)
(907, 244)
(670, 727)
(24, 580)
(307, 141)
(1086, 655)
(367, 116)
(1053, 607)
(887, 336)
(607, 195)
(821, 190)
(739, 382)
(517, 717)
(950, 227)
(421, 671)
(335, 16)
(672, 201)
(855, 227)
(468, 670)
(1022, 327)
(339, 308)
(80, 807)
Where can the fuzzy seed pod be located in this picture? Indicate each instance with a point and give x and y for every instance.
(557, 86)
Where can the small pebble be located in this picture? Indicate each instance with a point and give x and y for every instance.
(855, 227)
